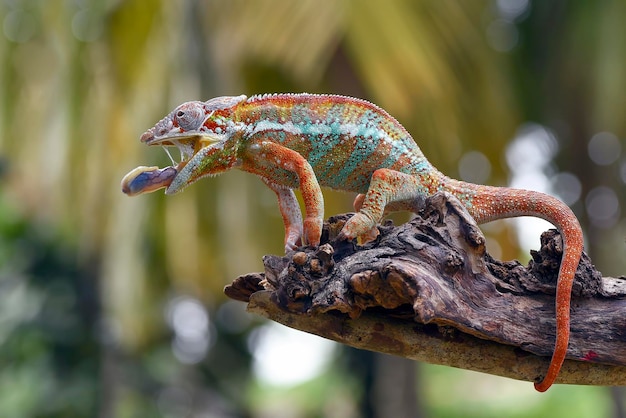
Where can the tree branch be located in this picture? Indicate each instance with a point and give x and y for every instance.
(427, 290)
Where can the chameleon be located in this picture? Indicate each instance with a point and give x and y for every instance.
(305, 141)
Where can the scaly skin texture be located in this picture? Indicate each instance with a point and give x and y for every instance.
(306, 141)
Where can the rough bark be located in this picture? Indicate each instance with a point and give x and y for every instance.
(429, 291)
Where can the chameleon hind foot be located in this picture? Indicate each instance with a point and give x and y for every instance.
(359, 227)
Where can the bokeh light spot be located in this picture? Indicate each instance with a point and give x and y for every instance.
(19, 26)
(602, 206)
(86, 25)
(532, 150)
(474, 167)
(189, 321)
(513, 9)
(286, 357)
(604, 148)
(567, 186)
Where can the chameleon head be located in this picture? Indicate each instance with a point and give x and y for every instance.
(196, 129)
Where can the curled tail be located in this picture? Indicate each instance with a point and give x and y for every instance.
(486, 203)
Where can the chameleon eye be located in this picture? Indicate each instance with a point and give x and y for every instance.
(190, 116)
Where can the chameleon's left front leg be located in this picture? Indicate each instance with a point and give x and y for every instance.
(277, 164)
(290, 211)
(388, 189)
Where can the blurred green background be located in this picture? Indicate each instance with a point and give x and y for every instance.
(113, 307)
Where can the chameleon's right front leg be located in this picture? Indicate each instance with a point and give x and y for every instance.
(278, 165)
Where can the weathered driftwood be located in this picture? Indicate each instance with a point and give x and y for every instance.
(427, 290)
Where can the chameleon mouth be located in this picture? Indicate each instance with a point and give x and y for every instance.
(188, 145)
(149, 179)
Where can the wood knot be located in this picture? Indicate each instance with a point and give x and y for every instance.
(300, 258)
(321, 262)
(453, 263)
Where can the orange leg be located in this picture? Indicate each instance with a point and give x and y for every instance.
(387, 187)
(284, 160)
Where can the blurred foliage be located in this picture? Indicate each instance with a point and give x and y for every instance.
(92, 282)
(48, 309)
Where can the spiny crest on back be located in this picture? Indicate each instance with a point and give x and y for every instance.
(224, 102)
(309, 97)
(269, 96)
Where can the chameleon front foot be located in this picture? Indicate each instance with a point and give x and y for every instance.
(312, 231)
(293, 238)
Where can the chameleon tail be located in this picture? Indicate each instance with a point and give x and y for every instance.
(486, 203)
